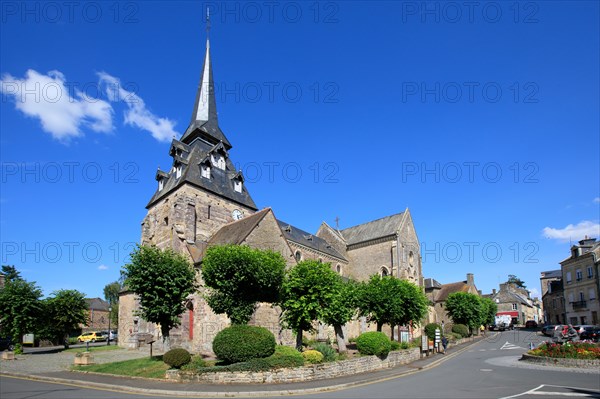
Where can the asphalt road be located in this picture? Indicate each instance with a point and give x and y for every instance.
(488, 369)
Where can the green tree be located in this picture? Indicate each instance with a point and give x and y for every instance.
(111, 295)
(10, 273)
(489, 308)
(342, 308)
(65, 311)
(162, 280)
(20, 308)
(388, 300)
(307, 289)
(515, 280)
(239, 278)
(465, 308)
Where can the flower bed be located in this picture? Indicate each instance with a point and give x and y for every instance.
(575, 350)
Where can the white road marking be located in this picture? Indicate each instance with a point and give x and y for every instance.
(534, 391)
(508, 345)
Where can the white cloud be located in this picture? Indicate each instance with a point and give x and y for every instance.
(597, 200)
(137, 114)
(102, 267)
(61, 109)
(573, 232)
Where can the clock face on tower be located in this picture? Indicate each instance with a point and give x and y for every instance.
(237, 214)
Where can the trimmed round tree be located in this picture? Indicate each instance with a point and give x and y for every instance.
(239, 277)
(239, 343)
(465, 308)
(162, 280)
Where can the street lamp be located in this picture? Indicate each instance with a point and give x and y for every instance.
(108, 338)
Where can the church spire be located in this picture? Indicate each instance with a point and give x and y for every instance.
(204, 116)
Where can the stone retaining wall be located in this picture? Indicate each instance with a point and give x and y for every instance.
(551, 361)
(307, 373)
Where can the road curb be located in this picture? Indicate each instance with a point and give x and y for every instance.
(205, 394)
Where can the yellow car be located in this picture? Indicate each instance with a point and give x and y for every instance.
(91, 337)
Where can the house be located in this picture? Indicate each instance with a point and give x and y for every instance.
(581, 282)
(553, 297)
(438, 294)
(98, 315)
(515, 301)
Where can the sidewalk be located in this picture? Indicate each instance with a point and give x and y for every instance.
(168, 388)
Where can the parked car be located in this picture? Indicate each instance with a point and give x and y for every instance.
(581, 328)
(592, 333)
(92, 337)
(112, 335)
(548, 330)
(6, 344)
(531, 324)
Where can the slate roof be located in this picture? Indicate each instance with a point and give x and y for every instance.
(383, 227)
(552, 274)
(97, 304)
(204, 123)
(431, 283)
(309, 240)
(220, 183)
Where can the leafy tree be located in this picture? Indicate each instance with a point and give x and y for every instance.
(239, 278)
(388, 300)
(489, 308)
(20, 308)
(341, 308)
(111, 295)
(515, 280)
(10, 273)
(464, 308)
(162, 280)
(307, 289)
(65, 311)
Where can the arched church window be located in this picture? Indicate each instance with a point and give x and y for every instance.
(338, 269)
(384, 272)
(411, 259)
(298, 256)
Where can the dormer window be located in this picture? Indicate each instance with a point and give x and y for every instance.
(205, 171)
(161, 184)
(178, 170)
(237, 186)
(218, 161)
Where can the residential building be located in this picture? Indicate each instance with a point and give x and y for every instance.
(98, 314)
(438, 294)
(581, 282)
(516, 302)
(553, 297)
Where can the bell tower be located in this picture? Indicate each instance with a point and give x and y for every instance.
(201, 191)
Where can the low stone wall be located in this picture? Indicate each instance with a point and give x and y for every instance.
(307, 373)
(551, 361)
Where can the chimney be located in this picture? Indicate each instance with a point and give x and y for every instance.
(470, 279)
(493, 291)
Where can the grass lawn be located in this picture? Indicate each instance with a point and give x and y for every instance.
(144, 367)
(95, 349)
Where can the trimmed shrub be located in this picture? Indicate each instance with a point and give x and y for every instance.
(373, 343)
(177, 357)
(284, 357)
(312, 356)
(461, 329)
(329, 354)
(395, 346)
(405, 345)
(430, 330)
(240, 343)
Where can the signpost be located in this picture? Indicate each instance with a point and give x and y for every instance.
(438, 339)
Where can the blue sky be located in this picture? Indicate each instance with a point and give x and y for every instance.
(484, 121)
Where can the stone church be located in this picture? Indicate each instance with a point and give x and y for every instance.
(202, 201)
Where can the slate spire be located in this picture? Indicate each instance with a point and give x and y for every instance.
(204, 121)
